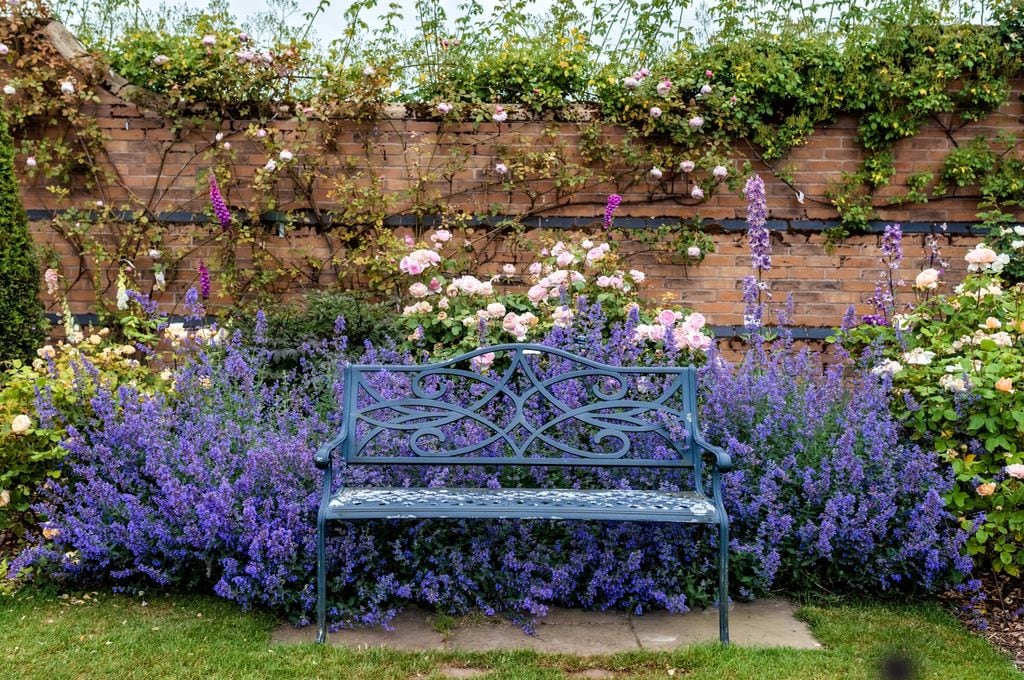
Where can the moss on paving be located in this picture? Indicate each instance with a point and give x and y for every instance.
(90, 636)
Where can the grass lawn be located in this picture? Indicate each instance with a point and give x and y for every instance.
(110, 636)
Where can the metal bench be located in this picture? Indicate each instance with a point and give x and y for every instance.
(525, 405)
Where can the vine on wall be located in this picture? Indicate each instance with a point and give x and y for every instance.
(671, 120)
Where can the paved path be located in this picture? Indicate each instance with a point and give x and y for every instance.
(766, 623)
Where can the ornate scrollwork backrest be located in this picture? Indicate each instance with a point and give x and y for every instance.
(521, 404)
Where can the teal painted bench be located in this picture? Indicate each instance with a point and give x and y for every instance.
(524, 405)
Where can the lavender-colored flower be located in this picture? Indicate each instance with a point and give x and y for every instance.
(214, 489)
(757, 234)
(614, 200)
(220, 208)
(204, 280)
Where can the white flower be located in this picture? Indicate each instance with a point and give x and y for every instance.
(31, 161)
(67, 87)
(509, 270)
(1018, 230)
(4, 50)
(369, 70)
(500, 115)
(286, 155)
(693, 251)
(918, 357)
(9, 89)
(697, 192)
(887, 367)
(664, 87)
(980, 258)
(1017, 244)
(419, 290)
(495, 310)
(696, 122)
(630, 83)
(687, 166)
(209, 40)
(159, 279)
(705, 89)
(271, 165)
(444, 108)
(501, 169)
(563, 317)
(927, 279)
(637, 275)
(21, 424)
(5, 497)
(219, 136)
(953, 383)
(720, 172)
(1002, 259)
(656, 172)
(160, 59)
(655, 112)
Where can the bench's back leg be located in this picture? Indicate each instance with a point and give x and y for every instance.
(321, 580)
(723, 583)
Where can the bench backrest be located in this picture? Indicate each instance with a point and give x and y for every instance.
(521, 404)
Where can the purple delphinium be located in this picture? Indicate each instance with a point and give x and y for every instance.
(614, 200)
(204, 281)
(884, 298)
(757, 234)
(220, 208)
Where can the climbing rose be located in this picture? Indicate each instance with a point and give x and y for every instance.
(696, 122)
(286, 155)
(500, 115)
(664, 87)
(986, 489)
(656, 172)
(655, 112)
(444, 108)
(160, 59)
(697, 192)
(630, 83)
(501, 169)
(720, 172)
(693, 251)
(687, 166)
(209, 40)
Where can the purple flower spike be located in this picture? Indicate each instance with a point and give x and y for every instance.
(609, 210)
(220, 208)
(204, 280)
(757, 213)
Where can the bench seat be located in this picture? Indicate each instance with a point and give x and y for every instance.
(605, 504)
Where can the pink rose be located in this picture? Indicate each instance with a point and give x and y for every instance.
(666, 317)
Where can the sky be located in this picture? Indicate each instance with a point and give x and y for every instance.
(330, 24)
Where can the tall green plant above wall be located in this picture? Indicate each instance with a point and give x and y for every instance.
(21, 312)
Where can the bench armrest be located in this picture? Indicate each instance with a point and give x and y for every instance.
(322, 460)
(722, 459)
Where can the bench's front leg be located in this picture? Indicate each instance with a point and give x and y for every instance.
(321, 556)
(723, 582)
(321, 579)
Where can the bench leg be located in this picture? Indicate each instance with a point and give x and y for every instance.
(321, 581)
(723, 583)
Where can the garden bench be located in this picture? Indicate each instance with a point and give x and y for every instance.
(525, 405)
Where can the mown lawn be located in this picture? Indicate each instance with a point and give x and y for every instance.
(109, 636)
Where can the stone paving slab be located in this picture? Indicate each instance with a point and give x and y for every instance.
(763, 623)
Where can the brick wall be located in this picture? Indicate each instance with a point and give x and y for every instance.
(159, 168)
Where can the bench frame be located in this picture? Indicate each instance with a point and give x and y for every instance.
(421, 397)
